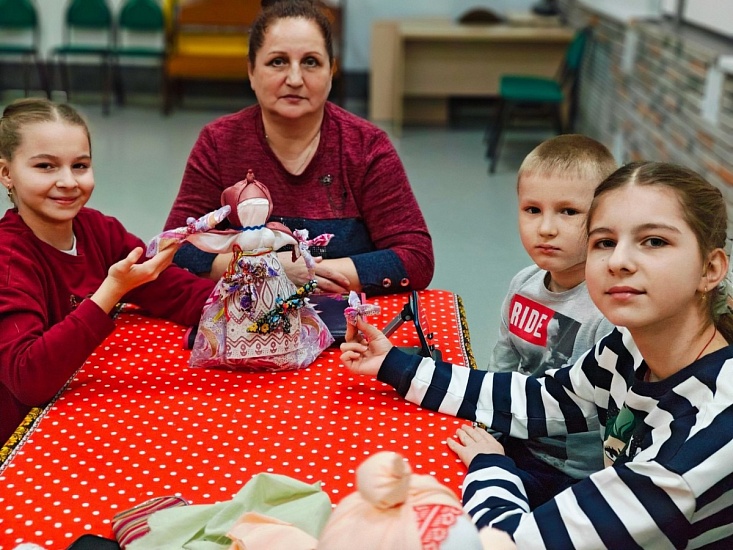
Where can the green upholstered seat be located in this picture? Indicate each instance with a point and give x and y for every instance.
(530, 88)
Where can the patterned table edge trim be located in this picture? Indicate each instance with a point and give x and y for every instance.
(27, 426)
(466, 337)
(19, 434)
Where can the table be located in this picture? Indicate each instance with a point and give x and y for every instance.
(416, 65)
(136, 422)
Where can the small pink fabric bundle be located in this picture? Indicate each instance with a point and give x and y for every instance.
(356, 309)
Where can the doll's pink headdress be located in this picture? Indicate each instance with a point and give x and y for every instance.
(248, 188)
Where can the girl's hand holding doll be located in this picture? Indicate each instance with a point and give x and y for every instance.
(127, 274)
(365, 348)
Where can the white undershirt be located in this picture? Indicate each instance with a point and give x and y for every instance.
(72, 250)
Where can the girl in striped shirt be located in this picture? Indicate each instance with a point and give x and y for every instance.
(658, 389)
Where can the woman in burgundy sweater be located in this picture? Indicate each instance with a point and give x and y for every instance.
(327, 170)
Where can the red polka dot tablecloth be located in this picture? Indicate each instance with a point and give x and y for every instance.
(136, 422)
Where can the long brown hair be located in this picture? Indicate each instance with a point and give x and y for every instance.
(703, 208)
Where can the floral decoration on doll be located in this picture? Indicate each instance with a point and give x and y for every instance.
(278, 317)
(356, 309)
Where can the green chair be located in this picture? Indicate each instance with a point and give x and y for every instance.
(140, 35)
(88, 32)
(19, 39)
(545, 96)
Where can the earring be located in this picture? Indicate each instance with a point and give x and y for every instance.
(10, 193)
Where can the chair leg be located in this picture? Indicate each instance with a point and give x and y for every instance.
(178, 91)
(106, 84)
(572, 115)
(557, 118)
(162, 88)
(493, 128)
(167, 93)
(26, 75)
(64, 75)
(117, 84)
(490, 125)
(502, 122)
(43, 78)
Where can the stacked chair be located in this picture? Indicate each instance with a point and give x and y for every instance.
(88, 32)
(20, 38)
(140, 35)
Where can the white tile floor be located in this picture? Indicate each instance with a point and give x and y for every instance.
(139, 157)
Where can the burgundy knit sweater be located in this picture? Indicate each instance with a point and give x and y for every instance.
(354, 187)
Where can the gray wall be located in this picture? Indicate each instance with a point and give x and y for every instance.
(652, 103)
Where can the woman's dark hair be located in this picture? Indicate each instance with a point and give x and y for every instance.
(274, 10)
(703, 208)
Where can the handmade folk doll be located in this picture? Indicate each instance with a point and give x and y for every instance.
(256, 319)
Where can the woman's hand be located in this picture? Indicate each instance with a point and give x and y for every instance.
(365, 348)
(472, 442)
(329, 274)
(127, 274)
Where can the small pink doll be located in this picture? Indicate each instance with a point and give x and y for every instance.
(256, 319)
(356, 309)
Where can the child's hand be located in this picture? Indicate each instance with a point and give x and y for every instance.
(365, 348)
(125, 275)
(128, 274)
(474, 441)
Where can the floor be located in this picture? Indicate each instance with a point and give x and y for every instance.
(139, 157)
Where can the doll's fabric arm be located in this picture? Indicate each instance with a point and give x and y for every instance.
(194, 226)
(209, 221)
(218, 243)
(282, 238)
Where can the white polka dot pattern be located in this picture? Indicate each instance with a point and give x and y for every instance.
(136, 422)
